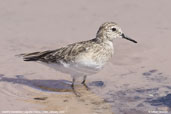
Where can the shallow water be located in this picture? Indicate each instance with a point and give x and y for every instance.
(53, 95)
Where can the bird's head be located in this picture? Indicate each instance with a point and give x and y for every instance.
(110, 31)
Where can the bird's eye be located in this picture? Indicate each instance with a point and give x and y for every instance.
(113, 29)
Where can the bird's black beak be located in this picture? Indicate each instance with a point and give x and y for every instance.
(123, 36)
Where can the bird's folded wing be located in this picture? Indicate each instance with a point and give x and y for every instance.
(66, 54)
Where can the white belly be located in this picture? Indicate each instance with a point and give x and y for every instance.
(75, 70)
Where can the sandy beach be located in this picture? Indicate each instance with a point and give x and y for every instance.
(137, 80)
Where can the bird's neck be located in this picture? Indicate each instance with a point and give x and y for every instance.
(101, 40)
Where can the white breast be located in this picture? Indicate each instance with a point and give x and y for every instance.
(94, 59)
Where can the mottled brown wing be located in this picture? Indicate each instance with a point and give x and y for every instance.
(65, 54)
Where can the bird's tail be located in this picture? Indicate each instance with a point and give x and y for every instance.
(35, 56)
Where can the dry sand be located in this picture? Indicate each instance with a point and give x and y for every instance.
(136, 81)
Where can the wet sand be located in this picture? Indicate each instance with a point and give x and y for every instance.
(136, 80)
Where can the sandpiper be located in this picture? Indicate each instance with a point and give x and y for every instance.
(82, 58)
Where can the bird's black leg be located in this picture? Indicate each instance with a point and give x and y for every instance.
(83, 82)
(73, 88)
(73, 81)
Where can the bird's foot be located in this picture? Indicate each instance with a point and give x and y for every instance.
(75, 92)
(84, 84)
